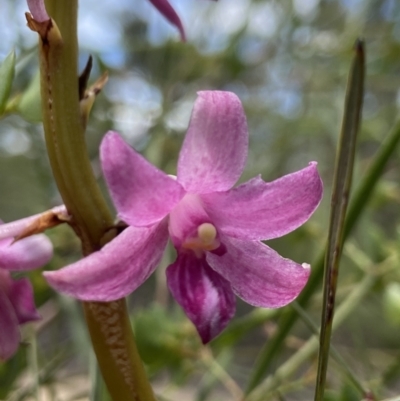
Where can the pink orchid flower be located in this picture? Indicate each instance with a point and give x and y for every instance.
(39, 13)
(16, 296)
(216, 229)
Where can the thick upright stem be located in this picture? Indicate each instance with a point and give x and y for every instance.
(108, 323)
(65, 132)
(124, 376)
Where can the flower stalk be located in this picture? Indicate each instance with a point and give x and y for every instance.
(108, 323)
(63, 127)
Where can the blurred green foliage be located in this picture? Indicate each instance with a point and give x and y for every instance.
(7, 70)
(288, 61)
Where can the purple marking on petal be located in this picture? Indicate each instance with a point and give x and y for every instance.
(165, 8)
(142, 194)
(38, 10)
(117, 269)
(9, 332)
(258, 274)
(264, 210)
(21, 298)
(214, 151)
(26, 254)
(204, 295)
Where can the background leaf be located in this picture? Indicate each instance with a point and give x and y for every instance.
(7, 70)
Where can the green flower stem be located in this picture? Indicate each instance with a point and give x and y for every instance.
(116, 351)
(108, 323)
(64, 129)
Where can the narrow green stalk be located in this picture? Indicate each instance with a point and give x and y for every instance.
(108, 323)
(357, 205)
(340, 194)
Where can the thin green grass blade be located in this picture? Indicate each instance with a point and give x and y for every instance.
(340, 195)
(357, 205)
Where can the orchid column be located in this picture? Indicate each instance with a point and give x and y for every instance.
(108, 323)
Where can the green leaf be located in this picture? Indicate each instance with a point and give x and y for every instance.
(340, 195)
(7, 70)
(29, 106)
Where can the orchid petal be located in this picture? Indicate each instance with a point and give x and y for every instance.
(258, 274)
(117, 269)
(9, 333)
(26, 254)
(142, 194)
(165, 8)
(4, 242)
(214, 151)
(38, 10)
(264, 210)
(22, 300)
(204, 295)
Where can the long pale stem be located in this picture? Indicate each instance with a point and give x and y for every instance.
(108, 323)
